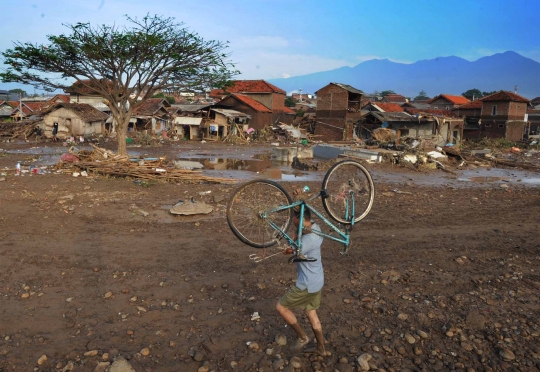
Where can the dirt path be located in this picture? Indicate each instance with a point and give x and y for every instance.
(438, 278)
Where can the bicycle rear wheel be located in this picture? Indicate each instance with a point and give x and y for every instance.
(346, 182)
(245, 213)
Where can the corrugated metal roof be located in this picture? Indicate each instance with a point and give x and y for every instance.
(231, 113)
(186, 120)
(190, 108)
(348, 88)
(392, 116)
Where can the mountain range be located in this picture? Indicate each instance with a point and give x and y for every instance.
(442, 75)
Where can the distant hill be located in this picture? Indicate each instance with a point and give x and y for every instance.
(449, 75)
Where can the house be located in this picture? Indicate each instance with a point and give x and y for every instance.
(261, 116)
(395, 98)
(261, 91)
(30, 110)
(188, 119)
(338, 108)
(436, 130)
(535, 102)
(74, 119)
(533, 120)
(151, 114)
(82, 91)
(223, 122)
(447, 102)
(471, 113)
(503, 116)
(6, 109)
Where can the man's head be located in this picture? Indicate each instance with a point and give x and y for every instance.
(307, 217)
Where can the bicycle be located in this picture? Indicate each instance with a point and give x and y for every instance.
(260, 212)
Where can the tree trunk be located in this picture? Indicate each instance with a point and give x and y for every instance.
(122, 123)
(121, 130)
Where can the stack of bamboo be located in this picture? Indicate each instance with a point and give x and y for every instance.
(106, 162)
(12, 130)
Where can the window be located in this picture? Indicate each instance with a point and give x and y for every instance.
(501, 125)
(494, 110)
(488, 125)
(447, 108)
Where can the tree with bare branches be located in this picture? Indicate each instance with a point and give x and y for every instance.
(124, 65)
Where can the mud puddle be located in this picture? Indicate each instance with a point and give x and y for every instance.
(498, 176)
(258, 166)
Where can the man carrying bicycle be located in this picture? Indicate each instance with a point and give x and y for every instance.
(306, 294)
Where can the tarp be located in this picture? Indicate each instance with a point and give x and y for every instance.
(186, 120)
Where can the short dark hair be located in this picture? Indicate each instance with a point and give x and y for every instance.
(307, 213)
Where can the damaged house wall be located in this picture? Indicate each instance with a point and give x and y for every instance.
(338, 108)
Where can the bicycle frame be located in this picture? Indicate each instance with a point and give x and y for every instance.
(343, 235)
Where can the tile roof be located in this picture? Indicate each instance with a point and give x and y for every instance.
(395, 98)
(456, 100)
(476, 104)
(247, 86)
(503, 95)
(150, 106)
(288, 110)
(83, 110)
(62, 97)
(433, 112)
(388, 107)
(257, 106)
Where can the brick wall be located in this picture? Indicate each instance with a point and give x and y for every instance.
(506, 110)
(515, 130)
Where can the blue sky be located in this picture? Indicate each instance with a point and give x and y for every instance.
(274, 38)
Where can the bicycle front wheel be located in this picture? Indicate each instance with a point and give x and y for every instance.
(349, 186)
(249, 216)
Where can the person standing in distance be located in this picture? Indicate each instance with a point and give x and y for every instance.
(306, 294)
(55, 132)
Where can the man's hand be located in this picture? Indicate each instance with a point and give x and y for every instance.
(288, 250)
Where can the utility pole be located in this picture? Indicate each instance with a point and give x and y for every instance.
(20, 106)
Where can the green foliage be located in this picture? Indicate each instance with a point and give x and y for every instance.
(485, 94)
(169, 99)
(18, 91)
(289, 102)
(300, 113)
(422, 96)
(472, 94)
(122, 63)
(384, 93)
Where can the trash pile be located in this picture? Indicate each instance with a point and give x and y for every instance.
(105, 162)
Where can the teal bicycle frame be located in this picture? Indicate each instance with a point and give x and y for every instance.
(297, 245)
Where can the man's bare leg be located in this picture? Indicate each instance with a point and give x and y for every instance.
(317, 330)
(291, 320)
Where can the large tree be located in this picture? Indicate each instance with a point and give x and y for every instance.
(124, 65)
(422, 96)
(385, 93)
(472, 94)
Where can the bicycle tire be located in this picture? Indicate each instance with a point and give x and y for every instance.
(245, 205)
(341, 179)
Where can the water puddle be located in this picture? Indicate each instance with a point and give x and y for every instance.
(483, 179)
(259, 166)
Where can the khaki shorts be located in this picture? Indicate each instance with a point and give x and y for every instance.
(302, 299)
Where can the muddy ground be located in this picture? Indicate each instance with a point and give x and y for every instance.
(442, 275)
